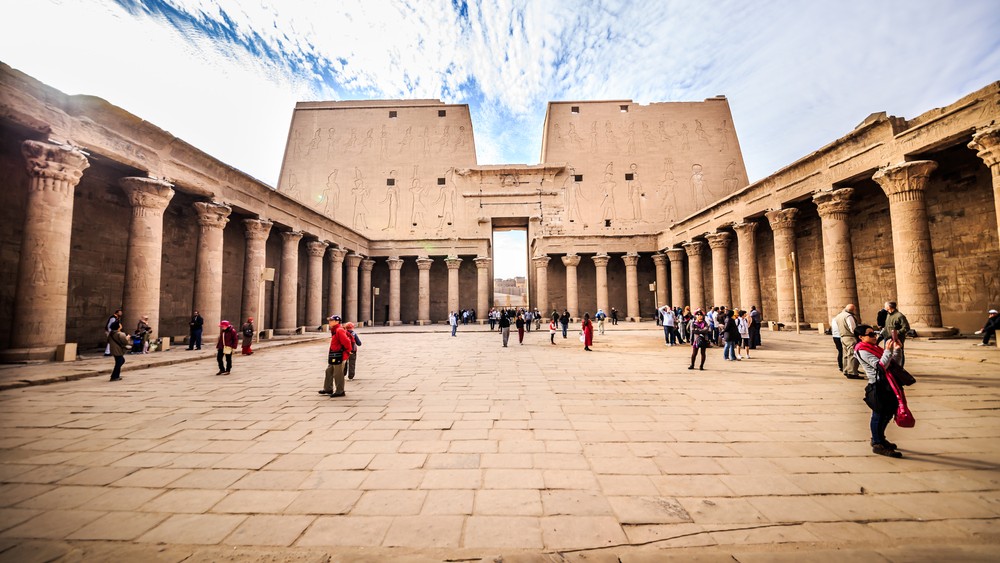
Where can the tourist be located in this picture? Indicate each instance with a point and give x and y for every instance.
(117, 344)
(743, 325)
(492, 316)
(755, 326)
(143, 331)
(341, 345)
(600, 316)
(195, 326)
(504, 329)
(519, 324)
(614, 316)
(730, 334)
(228, 339)
(247, 330)
(701, 338)
(714, 324)
(844, 323)
(552, 331)
(990, 328)
(453, 321)
(527, 320)
(564, 321)
(669, 328)
(352, 362)
(878, 394)
(837, 343)
(880, 323)
(115, 317)
(538, 320)
(896, 328)
(685, 324)
(588, 332)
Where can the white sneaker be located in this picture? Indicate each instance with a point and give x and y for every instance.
(739, 357)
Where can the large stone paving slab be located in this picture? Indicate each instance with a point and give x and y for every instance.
(456, 447)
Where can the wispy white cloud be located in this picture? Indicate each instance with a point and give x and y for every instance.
(224, 74)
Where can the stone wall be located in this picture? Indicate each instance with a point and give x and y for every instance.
(13, 199)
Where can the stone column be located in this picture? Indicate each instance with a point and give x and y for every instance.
(365, 313)
(483, 288)
(838, 255)
(542, 283)
(571, 261)
(351, 262)
(677, 295)
(212, 220)
(454, 263)
(314, 285)
(986, 143)
(783, 224)
(601, 263)
(256, 232)
(395, 264)
(632, 286)
(424, 290)
(660, 261)
(288, 283)
(746, 239)
(722, 291)
(42, 293)
(916, 281)
(143, 260)
(696, 279)
(336, 297)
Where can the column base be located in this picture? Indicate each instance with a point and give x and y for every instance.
(423, 323)
(16, 355)
(286, 331)
(935, 331)
(394, 323)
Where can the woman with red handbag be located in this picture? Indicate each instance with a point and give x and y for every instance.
(882, 396)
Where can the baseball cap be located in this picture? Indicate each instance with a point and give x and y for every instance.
(334, 318)
(994, 312)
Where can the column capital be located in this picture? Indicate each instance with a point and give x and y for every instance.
(745, 228)
(425, 263)
(782, 218)
(352, 260)
(631, 259)
(291, 237)
(675, 254)
(148, 196)
(337, 255)
(660, 259)
(571, 260)
(59, 162)
(834, 204)
(256, 229)
(453, 262)
(367, 264)
(986, 143)
(482, 262)
(601, 260)
(693, 247)
(541, 261)
(212, 215)
(905, 181)
(316, 248)
(394, 262)
(719, 240)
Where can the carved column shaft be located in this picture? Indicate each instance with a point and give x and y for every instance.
(212, 220)
(314, 284)
(336, 297)
(365, 312)
(916, 280)
(454, 263)
(288, 283)
(483, 288)
(746, 240)
(838, 254)
(256, 232)
(395, 264)
(542, 283)
(722, 291)
(677, 295)
(424, 290)
(601, 264)
(662, 293)
(632, 286)
(42, 290)
(986, 143)
(783, 224)
(351, 263)
(571, 261)
(696, 279)
(143, 260)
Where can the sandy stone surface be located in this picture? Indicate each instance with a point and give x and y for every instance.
(457, 448)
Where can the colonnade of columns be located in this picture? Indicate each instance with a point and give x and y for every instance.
(572, 261)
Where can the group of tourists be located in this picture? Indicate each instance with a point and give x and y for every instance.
(342, 357)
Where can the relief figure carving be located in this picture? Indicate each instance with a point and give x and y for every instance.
(359, 217)
(315, 142)
(571, 189)
(699, 131)
(406, 140)
(417, 204)
(446, 199)
(575, 137)
(698, 185)
(392, 198)
(608, 193)
(611, 136)
(635, 194)
(383, 144)
(331, 195)
(630, 139)
(593, 137)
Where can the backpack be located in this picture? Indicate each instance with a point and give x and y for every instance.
(248, 332)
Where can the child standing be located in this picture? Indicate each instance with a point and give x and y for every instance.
(552, 330)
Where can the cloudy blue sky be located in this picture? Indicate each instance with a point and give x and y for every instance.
(225, 74)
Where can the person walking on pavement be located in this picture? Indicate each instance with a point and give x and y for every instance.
(701, 338)
(504, 328)
(341, 345)
(519, 324)
(600, 317)
(118, 344)
(588, 332)
(228, 339)
(247, 330)
(453, 321)
(355, 344)
(196, 325)
(845, 322)
(115, 317)
(552, 331)
(564, 321)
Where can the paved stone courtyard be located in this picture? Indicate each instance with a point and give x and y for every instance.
(459, 449)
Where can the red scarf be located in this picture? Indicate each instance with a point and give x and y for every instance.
(904, 418)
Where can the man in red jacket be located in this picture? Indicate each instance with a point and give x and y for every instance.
(340, 351)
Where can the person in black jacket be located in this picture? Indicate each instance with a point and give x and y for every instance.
(990, 328)
(564, 321)
(505, 328)
(197, 324)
